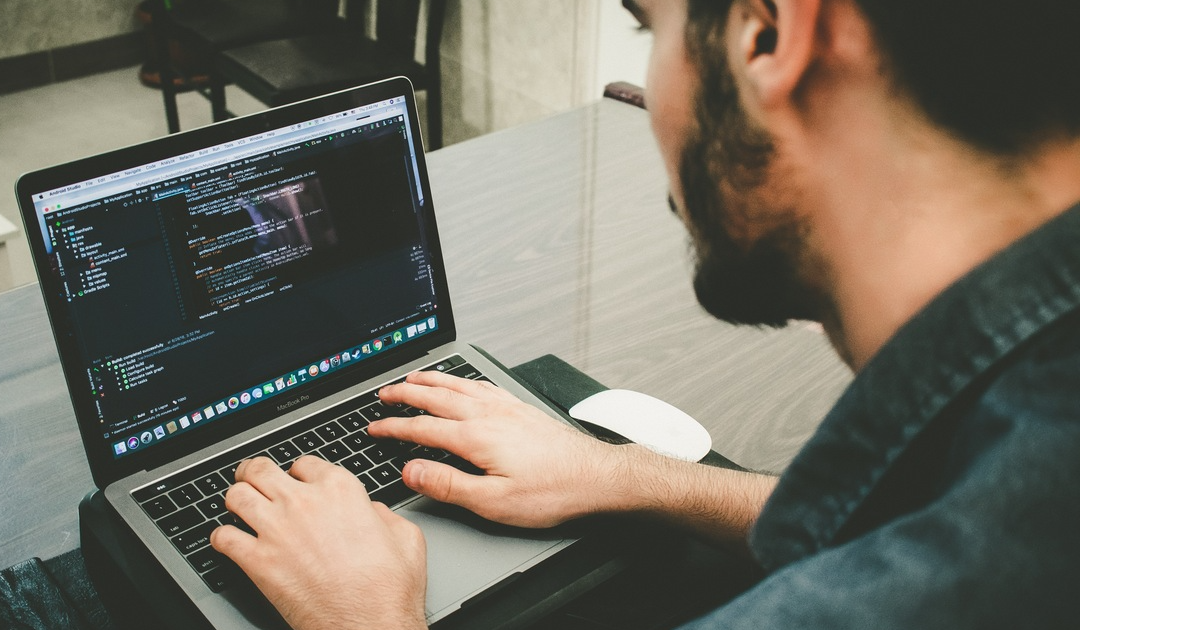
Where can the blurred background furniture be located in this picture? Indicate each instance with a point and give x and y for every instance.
(186, 36)
(626, 93)
(343, 55)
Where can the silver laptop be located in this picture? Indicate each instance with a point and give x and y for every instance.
(245, 289)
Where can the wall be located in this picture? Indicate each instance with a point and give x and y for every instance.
(30, 26)
(506, 63)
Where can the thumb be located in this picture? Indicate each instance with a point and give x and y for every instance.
(445, 483)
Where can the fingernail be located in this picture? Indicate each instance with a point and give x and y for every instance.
(414, 472)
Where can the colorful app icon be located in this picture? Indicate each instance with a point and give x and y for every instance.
(422, 327)
(172, 427)
(197, 417)
(357, 353)
(184, 422)
(335, 361)
(160, 432)
(233, 402)
(345, 356)
(209, 412)
(245, 398)
(397, 337)
(291, 380)
(222, 407)
(279, 383)
(325, 366)
(132, 443)
(432, 323)
(366, 349)
(378, 344)
(257, 393)
(268, 389)
(119, 447)
(412, 332)
(313, 370)
(146, 437)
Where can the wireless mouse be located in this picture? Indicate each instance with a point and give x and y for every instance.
(646, 420)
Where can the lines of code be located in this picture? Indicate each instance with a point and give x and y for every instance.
(239, 243)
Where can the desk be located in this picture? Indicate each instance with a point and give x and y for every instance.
(558, 240)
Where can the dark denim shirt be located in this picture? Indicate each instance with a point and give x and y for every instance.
(942, 490)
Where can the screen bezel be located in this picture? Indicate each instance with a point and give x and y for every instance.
(105, 467)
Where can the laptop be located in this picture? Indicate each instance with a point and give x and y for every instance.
(245, 289)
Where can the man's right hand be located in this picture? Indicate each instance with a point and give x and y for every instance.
(539, 472)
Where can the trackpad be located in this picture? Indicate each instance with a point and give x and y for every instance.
(466, 553)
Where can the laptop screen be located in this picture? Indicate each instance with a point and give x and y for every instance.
(206, 285)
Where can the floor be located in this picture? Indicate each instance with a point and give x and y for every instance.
(73, 119)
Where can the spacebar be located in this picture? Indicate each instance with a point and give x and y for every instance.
(392, 493)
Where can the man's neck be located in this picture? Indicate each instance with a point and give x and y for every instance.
(904, 234)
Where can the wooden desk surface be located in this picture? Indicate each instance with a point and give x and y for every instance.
(557, 239)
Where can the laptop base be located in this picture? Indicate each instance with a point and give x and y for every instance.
(138, 592)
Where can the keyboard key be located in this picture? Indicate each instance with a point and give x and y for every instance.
(424, 452)
(229, 518)
(207, 559)
(334, 451)
(228, 471)
(185, 494)
(383, 451)
(193, 539)
(466, 371)
(353, 422)
(374, 412)
(446, 364)
(368, 482)
(357, 463)
(211, 483)
(392, 494)
(331, 431)
(181, 521)
(357, 441)
(308, 442)
(219, 578)
(158, 507)
(284, 453)
(149, 492)
(385, 474)
(213, 506)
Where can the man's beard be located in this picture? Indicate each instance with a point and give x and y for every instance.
(723, 166)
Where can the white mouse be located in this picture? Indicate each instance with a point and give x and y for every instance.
(646, 420)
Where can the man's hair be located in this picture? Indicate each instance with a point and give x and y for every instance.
(1001, 75)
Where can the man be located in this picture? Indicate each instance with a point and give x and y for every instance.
(904, 172)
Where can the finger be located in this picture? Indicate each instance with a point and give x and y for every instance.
(428, 390)
(265, 475)
(245, 501)
(477, 389)
(233, 542)
(447, 484)
(430, 431)
(310, 469)
(440, 401)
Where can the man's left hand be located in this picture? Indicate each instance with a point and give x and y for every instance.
(325, 554)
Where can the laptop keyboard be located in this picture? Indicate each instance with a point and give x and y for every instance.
(188, 506)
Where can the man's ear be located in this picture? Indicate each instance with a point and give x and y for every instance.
(772, 44)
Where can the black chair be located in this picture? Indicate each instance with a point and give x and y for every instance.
(288, 70)
(203, 28)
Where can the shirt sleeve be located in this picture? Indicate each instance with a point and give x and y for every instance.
(998, 548)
